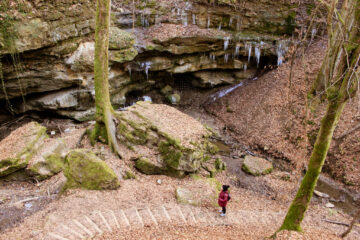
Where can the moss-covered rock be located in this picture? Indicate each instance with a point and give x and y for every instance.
(129, 175)
(83, 169)
(20, 146)
(257, 166)
(174, 98)
(120, 39)
(124, 55)
(49, 160)
(146, 166)
(166, 140)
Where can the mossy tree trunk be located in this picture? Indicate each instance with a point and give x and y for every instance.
(105, 127)
(339, 75)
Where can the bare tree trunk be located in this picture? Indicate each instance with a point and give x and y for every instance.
(105, 126)
(340, 68)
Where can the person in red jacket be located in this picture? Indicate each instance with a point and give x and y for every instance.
(224, 197)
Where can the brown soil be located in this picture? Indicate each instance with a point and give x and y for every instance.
(17, 141)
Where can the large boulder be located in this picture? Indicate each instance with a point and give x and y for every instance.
(83, 169)
(166, 140)
(20, 146)
(49, 160)
(257, 166)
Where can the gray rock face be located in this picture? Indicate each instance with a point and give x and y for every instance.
(256, 166)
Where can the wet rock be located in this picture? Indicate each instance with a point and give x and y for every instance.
(20, 146)
(181, 141)
(174, 98)
(83, 169)
(320, 194)
(329, 205)
(256, 166)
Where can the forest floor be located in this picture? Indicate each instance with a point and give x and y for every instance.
(261, 120)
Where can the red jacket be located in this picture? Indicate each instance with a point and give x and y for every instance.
(223, 198)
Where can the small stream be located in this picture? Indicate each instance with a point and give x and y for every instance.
(340, 197)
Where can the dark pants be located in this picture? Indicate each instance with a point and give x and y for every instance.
(223, 210)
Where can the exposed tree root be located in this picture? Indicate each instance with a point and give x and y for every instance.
(353, 222)
(110, 121)
(105, 131)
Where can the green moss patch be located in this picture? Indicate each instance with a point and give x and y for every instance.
(83, 169)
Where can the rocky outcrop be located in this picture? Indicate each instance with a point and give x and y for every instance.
(83, 169)
(171, 38)
(46, 23)
(256, 166)
(19, 147)
(166, 140)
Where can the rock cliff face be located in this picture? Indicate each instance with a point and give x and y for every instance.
(47, 48)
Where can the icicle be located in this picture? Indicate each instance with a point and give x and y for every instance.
(219, 28)
(226, 43)
(237, 50)
(194, 19)
(245, 67)
(257, 55)
(178, 11)
(226, 58)
(146, 67)
(212, 57)
(230, 21)
(184, 18)
(129, 69)
(208, 22)
(248, 48)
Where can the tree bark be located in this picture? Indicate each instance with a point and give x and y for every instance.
(339, 69)
(105, 126)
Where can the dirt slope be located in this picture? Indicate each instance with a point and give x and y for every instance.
(269, 114)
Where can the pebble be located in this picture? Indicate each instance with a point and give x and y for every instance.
(159, 181)
(52, 133)
(67, 130)
(28, 206)
(320, 194)
(329, 205)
